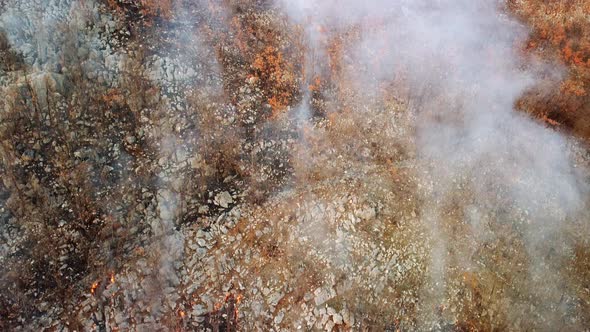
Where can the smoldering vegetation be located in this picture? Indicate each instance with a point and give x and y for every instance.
(284, 165)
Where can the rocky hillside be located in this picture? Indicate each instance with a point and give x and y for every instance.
(254, 165)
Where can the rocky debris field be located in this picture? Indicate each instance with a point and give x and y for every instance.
(202, 166)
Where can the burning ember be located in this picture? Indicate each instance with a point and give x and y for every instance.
(94, 287)
(225, 315)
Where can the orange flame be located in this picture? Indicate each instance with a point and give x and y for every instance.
(93, 287)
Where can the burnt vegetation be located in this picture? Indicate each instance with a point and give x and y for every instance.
(79, 172)
(84, 157)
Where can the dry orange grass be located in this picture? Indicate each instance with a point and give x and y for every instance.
(560, 31)
(277, 76)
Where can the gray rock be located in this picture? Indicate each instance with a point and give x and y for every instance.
(279, 318)
(323, 295)
(274, 298)
(337, 318)
(329, 326)
(367, 213)
(347, 317)
(223, 199)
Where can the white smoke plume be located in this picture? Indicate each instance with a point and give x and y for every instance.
(463, 71)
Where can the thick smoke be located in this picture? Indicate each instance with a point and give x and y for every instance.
(461, 64)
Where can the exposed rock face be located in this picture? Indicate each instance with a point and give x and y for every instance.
(178, 165)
